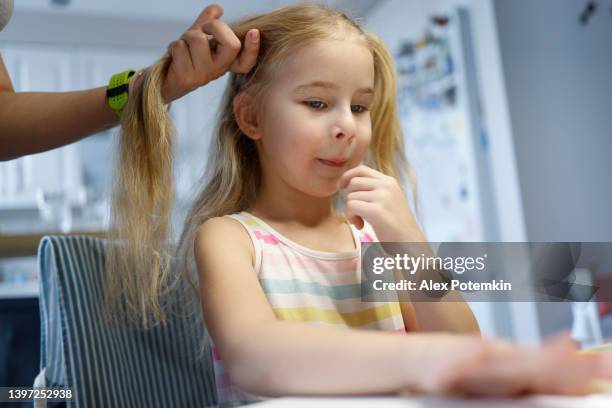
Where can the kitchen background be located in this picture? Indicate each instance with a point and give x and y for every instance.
(506, 107)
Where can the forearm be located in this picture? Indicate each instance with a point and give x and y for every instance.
(290, 358)
(451, 314)
(36, 122)
(448, 314)
(33, 122)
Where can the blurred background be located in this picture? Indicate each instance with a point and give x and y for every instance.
(506, 108)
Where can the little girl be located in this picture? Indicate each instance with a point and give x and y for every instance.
(278, 262)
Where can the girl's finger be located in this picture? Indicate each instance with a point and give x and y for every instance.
(228, 45)
(361, 184)
(361, 170)
(248, 56)
(605, 365)
(356, 210)
(563, 371)
(569, 375)
(495, 372)
(367, 196)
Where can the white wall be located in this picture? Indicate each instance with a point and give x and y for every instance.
(559, 86)
(183, 11)
(396, 19)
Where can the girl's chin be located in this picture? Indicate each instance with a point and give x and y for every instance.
(325, 188)
(327, 194)
(324, 192)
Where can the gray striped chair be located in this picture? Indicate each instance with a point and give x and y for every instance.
(112, 365)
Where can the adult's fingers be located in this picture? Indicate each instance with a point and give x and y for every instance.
(228, 45)
(199, 50)
(180, 56)
(248, 56)
(210, 12)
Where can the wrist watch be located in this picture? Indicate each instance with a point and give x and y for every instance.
(117, 91)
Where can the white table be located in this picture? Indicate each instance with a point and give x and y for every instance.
(591, 401)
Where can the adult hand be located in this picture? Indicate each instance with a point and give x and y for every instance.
(379, 199)
(194, 63)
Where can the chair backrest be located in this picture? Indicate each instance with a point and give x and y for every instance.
(113, 364)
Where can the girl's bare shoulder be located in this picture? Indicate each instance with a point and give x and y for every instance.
(224, 234)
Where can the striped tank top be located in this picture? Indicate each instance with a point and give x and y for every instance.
(307, 285)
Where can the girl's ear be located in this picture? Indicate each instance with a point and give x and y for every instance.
(245, 114)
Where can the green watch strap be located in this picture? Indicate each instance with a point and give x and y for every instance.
(117, 91)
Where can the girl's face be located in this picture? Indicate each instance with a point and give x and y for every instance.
(316, 123)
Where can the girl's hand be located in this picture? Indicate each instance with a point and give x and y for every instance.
(496, 368)
(379, 199)
(194, 64)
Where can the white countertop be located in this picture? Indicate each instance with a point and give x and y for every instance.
(540, 401)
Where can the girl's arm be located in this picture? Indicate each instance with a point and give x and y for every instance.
(380, 199)
(267, 356)
(448, 314)
(451, 315)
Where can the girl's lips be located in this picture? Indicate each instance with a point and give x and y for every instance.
(333, 163)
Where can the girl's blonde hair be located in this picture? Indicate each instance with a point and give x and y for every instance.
(140, 263)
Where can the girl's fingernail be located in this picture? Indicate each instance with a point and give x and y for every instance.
(254, 36)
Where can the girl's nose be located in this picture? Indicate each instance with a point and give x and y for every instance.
(340, 135)
(345, 126)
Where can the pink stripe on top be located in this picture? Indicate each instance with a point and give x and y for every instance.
(303, 284)
(367, 238)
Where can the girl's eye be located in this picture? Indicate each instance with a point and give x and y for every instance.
(358, 108)
(315, 104)
(318, 105)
